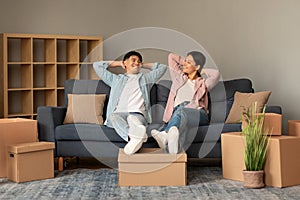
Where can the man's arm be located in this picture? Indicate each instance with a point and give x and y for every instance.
(103, 73)
(157, 71)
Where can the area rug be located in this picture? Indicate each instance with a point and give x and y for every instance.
(203, 183)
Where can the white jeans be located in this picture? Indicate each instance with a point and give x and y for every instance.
(118, 121)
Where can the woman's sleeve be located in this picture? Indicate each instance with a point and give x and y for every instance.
(174, 62)
(212, 78)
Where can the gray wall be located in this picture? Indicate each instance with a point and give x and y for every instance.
(259, 39)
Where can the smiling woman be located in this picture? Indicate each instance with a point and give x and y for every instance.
(188, 97)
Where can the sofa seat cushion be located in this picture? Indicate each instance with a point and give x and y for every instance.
(93, 132)
(86, 132)
(211, 133)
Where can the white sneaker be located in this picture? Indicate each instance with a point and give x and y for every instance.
(173, 136)
(160, 137)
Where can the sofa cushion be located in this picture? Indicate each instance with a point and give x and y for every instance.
(73, 86)
(89, 132)
(222, 95)
(244, 101)
(210, 133)
(85, 108)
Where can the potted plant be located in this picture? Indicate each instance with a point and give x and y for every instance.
(256, 144)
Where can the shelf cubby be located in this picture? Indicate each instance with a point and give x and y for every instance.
(67, 50)
(44, 76)
(43, 98)
(61, 97)
(19, 50)
(19, 76)
(20, 102)
(66, 71)
(87, 72)
(90, 51)
(44, 50)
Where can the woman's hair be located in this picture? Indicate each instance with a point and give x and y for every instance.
(133, 53)
(199, 58)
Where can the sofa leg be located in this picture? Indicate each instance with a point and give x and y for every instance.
(60, 164)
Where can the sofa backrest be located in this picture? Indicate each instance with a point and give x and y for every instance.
(220, 97)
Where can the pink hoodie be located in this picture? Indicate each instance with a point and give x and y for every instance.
(202, 86)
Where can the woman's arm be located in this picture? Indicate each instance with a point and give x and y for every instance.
(174, 62)
(212, 77)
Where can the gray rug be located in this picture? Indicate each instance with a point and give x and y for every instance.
(203, 183)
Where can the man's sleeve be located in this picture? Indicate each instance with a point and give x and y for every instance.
(101, 70)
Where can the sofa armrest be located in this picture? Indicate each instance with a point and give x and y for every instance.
(48, 118)
(273, 109)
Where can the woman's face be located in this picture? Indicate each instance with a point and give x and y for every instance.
(189, 65)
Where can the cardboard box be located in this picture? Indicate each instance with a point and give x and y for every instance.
(152, 167)
(282, 163)
(294, 128)
(14, 131)
(30, 161)
(272, 122)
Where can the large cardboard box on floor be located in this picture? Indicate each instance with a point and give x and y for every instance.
(282, 162)
(294, 128)
(14, 131)
(272, 123)
(152, 167)
(30, 161)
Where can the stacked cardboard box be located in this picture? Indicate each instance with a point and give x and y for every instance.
(294, 127)
(14, 131)
(282, 163)
(272, 123)
(30, 161)
(152, 167)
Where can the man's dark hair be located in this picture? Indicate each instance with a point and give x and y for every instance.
(133, 53)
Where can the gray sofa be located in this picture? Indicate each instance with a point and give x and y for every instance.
(91, 140)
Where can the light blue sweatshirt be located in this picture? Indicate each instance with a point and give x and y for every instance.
(117, 82)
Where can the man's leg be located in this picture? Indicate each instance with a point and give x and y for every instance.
(118, 121)
(137, 132)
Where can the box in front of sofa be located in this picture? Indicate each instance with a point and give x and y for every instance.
(30, 161)
(152, 167)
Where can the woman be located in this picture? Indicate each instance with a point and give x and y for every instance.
(188, 97)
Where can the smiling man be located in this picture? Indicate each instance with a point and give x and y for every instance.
(128, 110)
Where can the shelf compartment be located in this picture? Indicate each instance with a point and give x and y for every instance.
(67, 50)
(66, 71)
(87, 72)
(19, 76)
(90, 50)
(44, 75)
(20, 102)
(19, 49)
(44, 50)
(43, 98)
(61, 97)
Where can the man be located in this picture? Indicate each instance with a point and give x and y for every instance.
(128, 109)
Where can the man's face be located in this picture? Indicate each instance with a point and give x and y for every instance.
(132, 65)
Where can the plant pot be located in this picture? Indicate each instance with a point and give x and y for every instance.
(253, 179)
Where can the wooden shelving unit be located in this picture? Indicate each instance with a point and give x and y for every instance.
(35, 66)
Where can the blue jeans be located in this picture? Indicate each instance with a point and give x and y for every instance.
(118, 121)
(185, 117)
